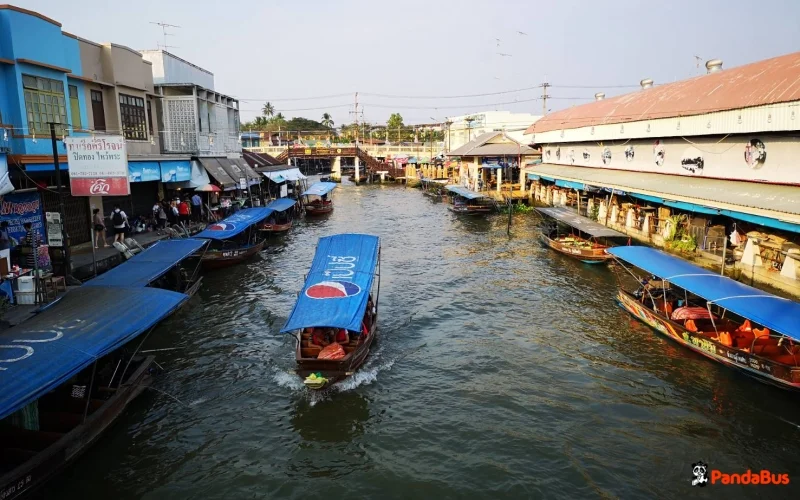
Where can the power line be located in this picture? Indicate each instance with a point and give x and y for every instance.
(594, 86)
(313, 98)
(392, 96)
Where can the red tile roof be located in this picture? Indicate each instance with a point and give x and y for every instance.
(764, 82)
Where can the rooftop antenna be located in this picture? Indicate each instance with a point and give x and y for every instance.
(164, 27)
(698, 60)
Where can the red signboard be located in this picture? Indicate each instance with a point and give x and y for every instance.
(110, 186)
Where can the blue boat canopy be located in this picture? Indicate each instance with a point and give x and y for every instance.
(87, 323)
(338, 285)
(466, 193)
(144, 268)
(235, 224)
(776, 313)
(320, 188)
(281, 204)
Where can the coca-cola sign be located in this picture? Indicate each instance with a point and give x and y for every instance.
(98, 166)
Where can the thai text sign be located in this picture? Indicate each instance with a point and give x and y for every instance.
(98, 166)
(19, 208)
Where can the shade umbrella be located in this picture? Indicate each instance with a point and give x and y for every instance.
(209, 188)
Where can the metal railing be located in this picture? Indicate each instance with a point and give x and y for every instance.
(190, 142)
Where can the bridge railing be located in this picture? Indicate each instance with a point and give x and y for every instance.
(381, 151)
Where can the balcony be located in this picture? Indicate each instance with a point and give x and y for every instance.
(202, 144)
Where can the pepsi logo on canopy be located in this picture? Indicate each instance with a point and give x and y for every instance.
(332, 290)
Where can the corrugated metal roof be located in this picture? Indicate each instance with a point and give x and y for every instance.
(764, 82)
(770, 197)
(478, 147)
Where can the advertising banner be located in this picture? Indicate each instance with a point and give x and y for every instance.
(144, 171)
(98, 166)
(176, 171)
(19, 208)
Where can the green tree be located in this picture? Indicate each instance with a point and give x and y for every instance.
(395, 123)
(327, 121)
(268, 110)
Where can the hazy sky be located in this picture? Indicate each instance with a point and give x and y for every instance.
(276, 50)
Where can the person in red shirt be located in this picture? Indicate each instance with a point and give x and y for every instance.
(184, 211)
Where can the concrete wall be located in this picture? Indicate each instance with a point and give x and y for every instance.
(723, 157)
(168, 68)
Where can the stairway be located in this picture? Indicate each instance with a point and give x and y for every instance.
(283, 156)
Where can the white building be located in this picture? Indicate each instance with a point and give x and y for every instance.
(467, 127)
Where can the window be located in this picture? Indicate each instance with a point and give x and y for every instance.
(150, 117)
(134, 121)
(74, 107)
(98, 110)
(44, 102)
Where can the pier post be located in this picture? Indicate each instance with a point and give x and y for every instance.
(499, 179)
(357, 176)
(336, 168)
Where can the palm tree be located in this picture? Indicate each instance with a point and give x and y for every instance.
(327, 121)
(268, 110)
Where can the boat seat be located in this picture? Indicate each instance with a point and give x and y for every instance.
(310, 352)
(349, 348)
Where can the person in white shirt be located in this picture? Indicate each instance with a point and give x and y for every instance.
(120, 221)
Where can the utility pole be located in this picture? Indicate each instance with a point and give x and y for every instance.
(544, 98)
(355, 118)
(65, 237)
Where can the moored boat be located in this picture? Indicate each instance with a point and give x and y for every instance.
(334, 321)
(234, 239)
(586, 240)
(67, 376)
(281, 218)
(469, 202)
(316, 198)
(724, 320)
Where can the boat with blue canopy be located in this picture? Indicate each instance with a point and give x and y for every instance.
(68, 372)
(732, 323)
(172, 264)
(316, 198)
(334, 320)
(282, 217)
(468, 202)
(235, 238)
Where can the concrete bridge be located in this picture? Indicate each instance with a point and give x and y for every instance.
(419, 150)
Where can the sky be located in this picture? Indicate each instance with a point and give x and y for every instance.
(301, 54)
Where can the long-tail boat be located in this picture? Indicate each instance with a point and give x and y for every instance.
(724, 320)
(68, 373)
(335, 318)
(316, 197)
(234, 239)
(281, 218)
(586, 240)
(469, 202)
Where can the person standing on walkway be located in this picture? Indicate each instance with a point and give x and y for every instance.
(160, 215)
(99, 228)
(183, 211)
(197, 207)
(120, 221)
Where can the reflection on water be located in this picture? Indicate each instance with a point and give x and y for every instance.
(501, 370)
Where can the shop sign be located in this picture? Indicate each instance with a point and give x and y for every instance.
(19, 208)
(98, 166)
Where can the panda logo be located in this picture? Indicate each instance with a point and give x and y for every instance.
(699, 474)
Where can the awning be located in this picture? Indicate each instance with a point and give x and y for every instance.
(235, 224)
(5, 183)
(214, 168)
(289, 174)
(252, 176)
(466, 193)
(87, 323)
(176, 170)
(144, 171)
(775, 313)
(147, 266)
(581, 223)
(770, 205)
(533, 177)
(336, 291)
(320, 189)
(569, 184)
(281, 204)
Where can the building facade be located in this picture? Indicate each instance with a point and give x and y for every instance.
(462, 129)
(715, 155)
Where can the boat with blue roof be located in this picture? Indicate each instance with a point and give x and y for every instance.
(317, 201)
(282, 217)
(235, 238)
(334, 321)
(468, 202)
(722, 319)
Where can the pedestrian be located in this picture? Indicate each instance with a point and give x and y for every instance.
(197, 207)
(30, 245)
(5, 240)
(160, 214)
(183, 211)
(119, 220)
(99, 228)
(175, 213)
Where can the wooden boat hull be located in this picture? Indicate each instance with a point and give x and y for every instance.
(760, 368)
(275, 228)
(335, 370)
(217, 259)
(50, 461)
(319, 209)
(471, 209)
(587, 255)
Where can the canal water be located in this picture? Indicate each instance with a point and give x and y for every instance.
(502, 370)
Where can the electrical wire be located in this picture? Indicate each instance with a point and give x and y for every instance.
(391, 96)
